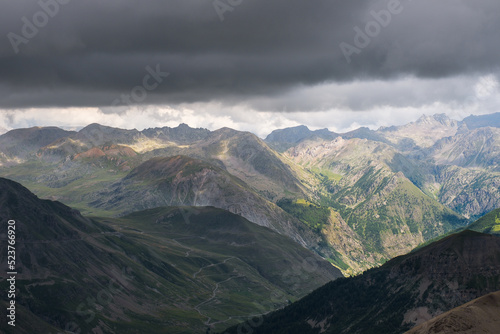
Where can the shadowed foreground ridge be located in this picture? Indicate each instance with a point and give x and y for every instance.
(407, 290)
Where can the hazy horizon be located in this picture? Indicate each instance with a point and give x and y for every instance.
(259, 134)
(245, 64)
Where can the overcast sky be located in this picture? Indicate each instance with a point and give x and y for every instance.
(248, 64)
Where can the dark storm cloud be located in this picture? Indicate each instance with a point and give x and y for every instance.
(92, 51)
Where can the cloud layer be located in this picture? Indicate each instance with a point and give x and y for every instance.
(91, 52)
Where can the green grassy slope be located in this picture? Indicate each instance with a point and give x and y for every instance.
(489, 223)
(386, 212)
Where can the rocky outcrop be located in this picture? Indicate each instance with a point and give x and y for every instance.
(472, 192)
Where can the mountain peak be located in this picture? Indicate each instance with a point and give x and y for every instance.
(297, 132)
(436, 118)
(490, 120)
(423, 118)
(183, 126)
(93, 126)
(424, 132)
(283, 139)
(22, 142)
(300, 128)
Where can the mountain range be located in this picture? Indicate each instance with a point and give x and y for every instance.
(357, 199)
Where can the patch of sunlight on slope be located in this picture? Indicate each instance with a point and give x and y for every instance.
(146, 145)
(59, 143)
(496, 227)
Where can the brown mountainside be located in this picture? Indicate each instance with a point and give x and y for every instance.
(482, 315)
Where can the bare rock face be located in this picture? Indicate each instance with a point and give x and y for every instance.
(475, 148)
(481, 315)
(344, 240)
(180, 180)
(423, 133)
